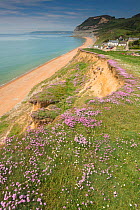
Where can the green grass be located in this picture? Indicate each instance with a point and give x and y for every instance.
(4, 117)
(16, 130)
(3, 126)
(43, 114)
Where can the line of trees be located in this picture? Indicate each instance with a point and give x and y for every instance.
(135, 44)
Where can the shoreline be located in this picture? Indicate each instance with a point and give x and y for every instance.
(17, 89)
(29, 71)
(33, 69)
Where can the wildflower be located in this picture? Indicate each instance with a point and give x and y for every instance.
(14, 196)
(115, 194)
(106, 136)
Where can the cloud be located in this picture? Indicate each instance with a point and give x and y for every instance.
(54, 16)
(9, 12)
(80, 9)
(29, 2)
(22, 7)
(19, 1)
(16, 4)
(25, 1)
(71, 13)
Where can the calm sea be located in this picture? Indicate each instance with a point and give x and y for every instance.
(22, 53)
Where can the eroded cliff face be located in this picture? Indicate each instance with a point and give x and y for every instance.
(37, 119)
(104, 78)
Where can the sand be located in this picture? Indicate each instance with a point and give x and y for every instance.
(15, 91)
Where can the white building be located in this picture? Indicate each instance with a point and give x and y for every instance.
(96, 46)
(112, 43)
(123, 43)
(132, 39)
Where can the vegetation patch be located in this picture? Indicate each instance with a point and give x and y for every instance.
(135, 44)
(44, 113)
(16, 130)
(3, 126)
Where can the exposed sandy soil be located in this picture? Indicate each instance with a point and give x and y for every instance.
(15, 91)
(103, 80)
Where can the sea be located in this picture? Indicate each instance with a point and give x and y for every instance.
(21, 53)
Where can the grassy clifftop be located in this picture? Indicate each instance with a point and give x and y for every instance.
(88, 157)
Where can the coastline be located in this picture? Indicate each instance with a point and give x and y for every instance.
(36, 67)
(17, 89)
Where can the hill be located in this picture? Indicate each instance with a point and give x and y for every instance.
(108, 27)
(92, 23)
(50, 32)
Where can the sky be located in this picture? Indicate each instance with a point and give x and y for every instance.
(20, 16)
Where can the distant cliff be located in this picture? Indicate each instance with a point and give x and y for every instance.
(91, 25)
(109, 27)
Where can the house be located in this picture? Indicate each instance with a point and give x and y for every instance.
(133, 39)
(96, 46)
(122, 43)
(112, 43)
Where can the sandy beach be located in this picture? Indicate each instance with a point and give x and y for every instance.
(15, 91)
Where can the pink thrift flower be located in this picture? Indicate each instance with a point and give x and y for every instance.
(39, 199)
(14, 196)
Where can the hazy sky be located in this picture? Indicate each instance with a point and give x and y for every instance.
(19, 16)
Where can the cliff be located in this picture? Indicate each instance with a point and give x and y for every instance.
(91, 25)
(108, 27)
(98, 79)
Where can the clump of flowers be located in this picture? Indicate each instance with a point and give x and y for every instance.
(81, 139)
(83, 116)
